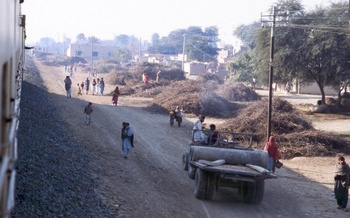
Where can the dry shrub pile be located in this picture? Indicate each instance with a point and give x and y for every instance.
(238, 92)
(213, 77)
(50, 59)
(167, 73)
(131, 79)
(295, 135)
(140, 89)
(195, 98)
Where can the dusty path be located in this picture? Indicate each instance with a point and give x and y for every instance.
(151, 182)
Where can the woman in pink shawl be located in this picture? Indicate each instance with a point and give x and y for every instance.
(274, 155)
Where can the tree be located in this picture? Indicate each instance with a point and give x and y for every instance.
(242, 68)
(327, 50)
(93, 39)
(313, 48)
(121, 40)
(200, 46)
(80, 38)
(123, 55)
(246, 33)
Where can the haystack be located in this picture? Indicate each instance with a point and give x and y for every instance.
(295, 135)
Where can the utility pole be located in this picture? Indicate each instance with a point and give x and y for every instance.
(272, 48)
(140, 50)
(92, 55)
(272, 22)
(183, 52)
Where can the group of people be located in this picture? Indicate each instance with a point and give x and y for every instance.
(145, 77)
(127, 134)
(69, 69)
(98, 86)
(198, 136)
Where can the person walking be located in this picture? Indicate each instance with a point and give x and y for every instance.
(126, 138)
(82, 86)
(94, 86)
(88, 111)
(102, 86)
(68, 86)
(341, 182)
(145, 78)
(178, 115)
(79, 90)
(115, 97)
(274, 155)
(158, 77)
(98, 85)
(87, 85)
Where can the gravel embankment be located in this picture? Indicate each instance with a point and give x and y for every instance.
(53, 179)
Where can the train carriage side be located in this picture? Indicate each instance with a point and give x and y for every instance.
(12, 58)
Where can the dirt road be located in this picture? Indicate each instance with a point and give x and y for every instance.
(151, 182)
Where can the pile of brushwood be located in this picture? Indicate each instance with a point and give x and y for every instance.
(195, 97)
(295, 135)
(238, 92)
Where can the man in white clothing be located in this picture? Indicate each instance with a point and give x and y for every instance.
(198, 134)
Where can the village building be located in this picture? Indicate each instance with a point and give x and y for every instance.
(87, 51)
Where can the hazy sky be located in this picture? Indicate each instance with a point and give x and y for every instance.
(105, 19)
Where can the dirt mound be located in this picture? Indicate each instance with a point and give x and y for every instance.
(238, 92)
(295, 135)
(195, 97)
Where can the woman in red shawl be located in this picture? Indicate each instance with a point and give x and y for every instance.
(274, 155)
(116, 94)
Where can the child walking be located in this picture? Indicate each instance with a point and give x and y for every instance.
(88, 111)
(79, 90)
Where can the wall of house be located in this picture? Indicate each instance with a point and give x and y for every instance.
(194, 69)
(313, 89)
(84, 51)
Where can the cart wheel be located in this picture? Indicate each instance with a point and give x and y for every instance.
(253, 192)
(201, 184)
(191, 171)
(204, 188)
(185, 159)
(210, 187)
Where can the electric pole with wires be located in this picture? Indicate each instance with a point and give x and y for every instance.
(275, 17)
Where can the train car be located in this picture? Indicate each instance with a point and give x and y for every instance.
(12, 58)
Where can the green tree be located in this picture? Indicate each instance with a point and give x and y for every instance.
(313, 48)
(123, 55)
(121, 40)
(200, 45)
(93, 39)
(80, 38)
(242, 68)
